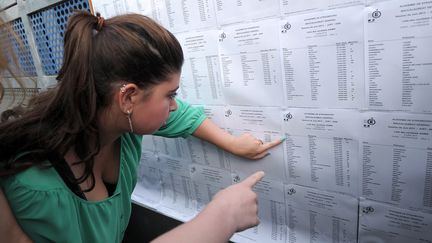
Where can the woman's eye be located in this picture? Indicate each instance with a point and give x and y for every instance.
(173, 95)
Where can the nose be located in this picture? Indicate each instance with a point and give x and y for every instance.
(173, 105)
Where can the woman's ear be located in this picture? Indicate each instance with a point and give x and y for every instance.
(127, 96)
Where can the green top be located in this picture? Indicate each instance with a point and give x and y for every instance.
(48, 211)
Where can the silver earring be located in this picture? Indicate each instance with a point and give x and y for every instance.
(123, 88)
(129, 114)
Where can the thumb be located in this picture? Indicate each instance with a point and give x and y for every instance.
(253, 179)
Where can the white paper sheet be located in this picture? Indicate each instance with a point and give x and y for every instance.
(174, 147)
(381, 223)
(207, 154)
(262, 123)
(322, 59)
(148, 190)
(249, 55)
(241, 10)
(253, 118)
(396, 152)
(216, 114)
(178, 199)
(184, 15)
(320, 216)
(398, 55)
(321, 148)
(272, 164)
(207, 181)
(201, 78)
(110, 8)
(148, 143)
(290, 7)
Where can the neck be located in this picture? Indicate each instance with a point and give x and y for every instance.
(109, 131)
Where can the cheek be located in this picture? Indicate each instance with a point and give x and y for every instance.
(164, 110)
(158, 112)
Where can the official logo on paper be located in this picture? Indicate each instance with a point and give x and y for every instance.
(369, 122)
(288, 116)
(374, 16)
(291, 191)
(222, 36)
(286, 27)
(368, 209)
(228, 113)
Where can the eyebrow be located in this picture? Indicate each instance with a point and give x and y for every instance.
(174, 90)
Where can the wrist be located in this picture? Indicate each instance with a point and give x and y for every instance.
(217, 213)
(231, 144)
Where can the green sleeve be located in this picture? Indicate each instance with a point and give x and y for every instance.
(183, 121)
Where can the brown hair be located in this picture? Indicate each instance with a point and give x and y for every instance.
(97, 55)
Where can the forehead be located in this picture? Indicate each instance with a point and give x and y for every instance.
(170, 84)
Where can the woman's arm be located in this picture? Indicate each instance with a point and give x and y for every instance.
(244, 145)
(233, 209)
(10, 231)
(187, 120)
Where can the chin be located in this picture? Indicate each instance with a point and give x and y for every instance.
(156, 129)
(151, 131)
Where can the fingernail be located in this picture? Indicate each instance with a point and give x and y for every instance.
(283, 139)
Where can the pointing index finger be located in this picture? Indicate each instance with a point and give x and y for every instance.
(254, 178)
(272, 144)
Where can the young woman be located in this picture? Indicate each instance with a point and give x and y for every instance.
(68, 164)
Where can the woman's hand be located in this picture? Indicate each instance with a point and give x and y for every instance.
(245, 145)
(239, 203)
(248, 146)
(232, 209)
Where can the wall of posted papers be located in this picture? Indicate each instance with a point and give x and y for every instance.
(346, 83)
